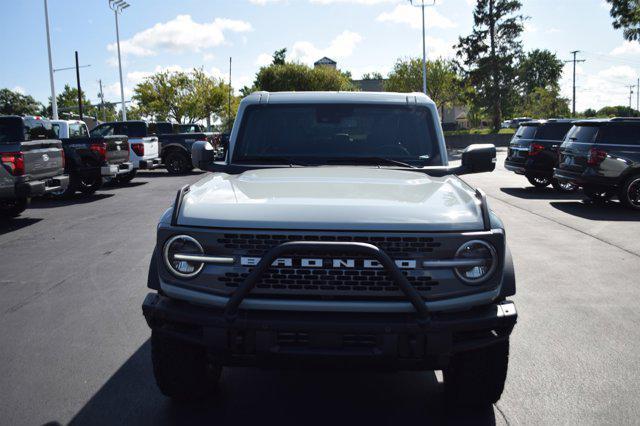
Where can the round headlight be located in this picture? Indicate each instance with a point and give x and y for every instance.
(177, 251)
(478, 261)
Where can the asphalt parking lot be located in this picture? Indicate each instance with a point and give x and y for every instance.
(74, 345)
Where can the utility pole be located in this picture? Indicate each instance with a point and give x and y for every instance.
(422, 5)
(574, 60)
(118, 6)
(630, 97)
(79, 88)
(54, 102)
(638, 96)
(104, 113)
(230, 90)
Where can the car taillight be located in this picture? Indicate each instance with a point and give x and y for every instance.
(138, 148)
(596, 156)
(99, 148)
(14, 162)
(535, 149)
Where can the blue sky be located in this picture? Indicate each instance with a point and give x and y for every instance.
(361, 35)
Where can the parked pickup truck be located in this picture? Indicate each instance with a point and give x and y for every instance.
(175, 148)
(335, 233)
(144, 152)
(32, 162)
(90, 160)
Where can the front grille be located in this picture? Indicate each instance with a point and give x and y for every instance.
(258, 244)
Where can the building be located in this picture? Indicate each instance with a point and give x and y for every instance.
(325, 62)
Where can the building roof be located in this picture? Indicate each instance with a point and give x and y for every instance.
(325, 61)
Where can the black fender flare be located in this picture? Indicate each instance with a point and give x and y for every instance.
(173, 147)
(153, 281)
(508, 285)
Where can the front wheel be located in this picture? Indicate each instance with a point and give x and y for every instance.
(476, 378)
(181, 369)
(564, 186)
(12, 207)
(630, 193)
(539, 182)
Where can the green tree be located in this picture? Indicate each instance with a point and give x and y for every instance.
(444, 86)
(280, 56)
(626, 15)
(545, 103)
(489, 55)
(299, 77)
(15, 103)
(539, 68)
(372, 76)
(617, 111)
(589, 112)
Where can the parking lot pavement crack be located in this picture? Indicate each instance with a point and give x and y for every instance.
(32, 297)
(565, 225)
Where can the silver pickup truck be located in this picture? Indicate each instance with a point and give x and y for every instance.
(32, 162)
(334, 233)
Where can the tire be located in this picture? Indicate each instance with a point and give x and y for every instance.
(13, 207)
(566, 187)
(630, 193)
(539, 182)
(181, 370)
(597, 195)
(126, 178)
(177, 163)
(476, 378)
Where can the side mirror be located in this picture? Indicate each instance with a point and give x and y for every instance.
(202, 154)
(478, 158)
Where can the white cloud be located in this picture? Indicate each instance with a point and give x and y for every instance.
(411, 16)
(19, 89)
(265, 2)
(207, 57)
(439, 48)
(627, 48)
(341, 47)
(530, 27)
(622, 72)
(263, 59)
(180, 34)
(362, 2)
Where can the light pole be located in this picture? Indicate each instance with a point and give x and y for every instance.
(118, 6)
(54, 103)
(422, 5)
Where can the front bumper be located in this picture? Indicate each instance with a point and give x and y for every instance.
(150, 164)
(116, 169)
(270, 338)
(37, 188)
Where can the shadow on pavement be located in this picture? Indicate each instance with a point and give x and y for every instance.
(47, 203)
(610, 211)
(11, 225)
(252, 396)
(164, 174)
(533, 193)
(113, 185)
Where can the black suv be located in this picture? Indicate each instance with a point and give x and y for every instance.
(533, 152)
(603, 157)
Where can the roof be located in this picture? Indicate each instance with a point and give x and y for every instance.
(549, 120)
(338, 97)
(325, 61)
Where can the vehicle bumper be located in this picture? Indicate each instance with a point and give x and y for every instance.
(527, 169)
(585, 178)
(38, 188)
(116, 169)
(150, 164)
(271, 338)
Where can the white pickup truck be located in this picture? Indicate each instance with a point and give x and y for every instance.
(144, 152)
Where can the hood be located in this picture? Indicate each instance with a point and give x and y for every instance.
(332, 198)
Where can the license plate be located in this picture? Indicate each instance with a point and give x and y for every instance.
(569, 161)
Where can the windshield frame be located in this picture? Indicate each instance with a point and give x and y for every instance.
(437, 158)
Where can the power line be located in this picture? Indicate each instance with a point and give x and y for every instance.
(574, 60)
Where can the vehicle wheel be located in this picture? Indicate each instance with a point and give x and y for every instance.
(630, 193)
(177, 163)
(126, 178)
(182, 370)
(597, 195)
(539, 182)
(12, 207)
(476, 378)
(564, 186)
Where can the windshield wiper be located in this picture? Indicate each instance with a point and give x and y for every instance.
(370, 160)
(290, 161)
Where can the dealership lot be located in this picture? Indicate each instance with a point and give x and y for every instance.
(75, 345)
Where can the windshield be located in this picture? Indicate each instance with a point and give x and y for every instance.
(553, 131)
(320, 134)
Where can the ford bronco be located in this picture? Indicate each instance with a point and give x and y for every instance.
(334, 233)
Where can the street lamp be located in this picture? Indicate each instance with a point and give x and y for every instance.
(118, 6)
(54, 102)
(421, 4)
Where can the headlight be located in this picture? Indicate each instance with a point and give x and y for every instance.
(481, 261)
(177, 252)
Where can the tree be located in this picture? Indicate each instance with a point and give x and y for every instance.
(444, 85)
(299, 77)
(372, 76)
(590, 112)
(626, 15)
(617, 111)
(545, 103)
(539, 68)
(489, 55)
(280, 56)
(15, 103)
